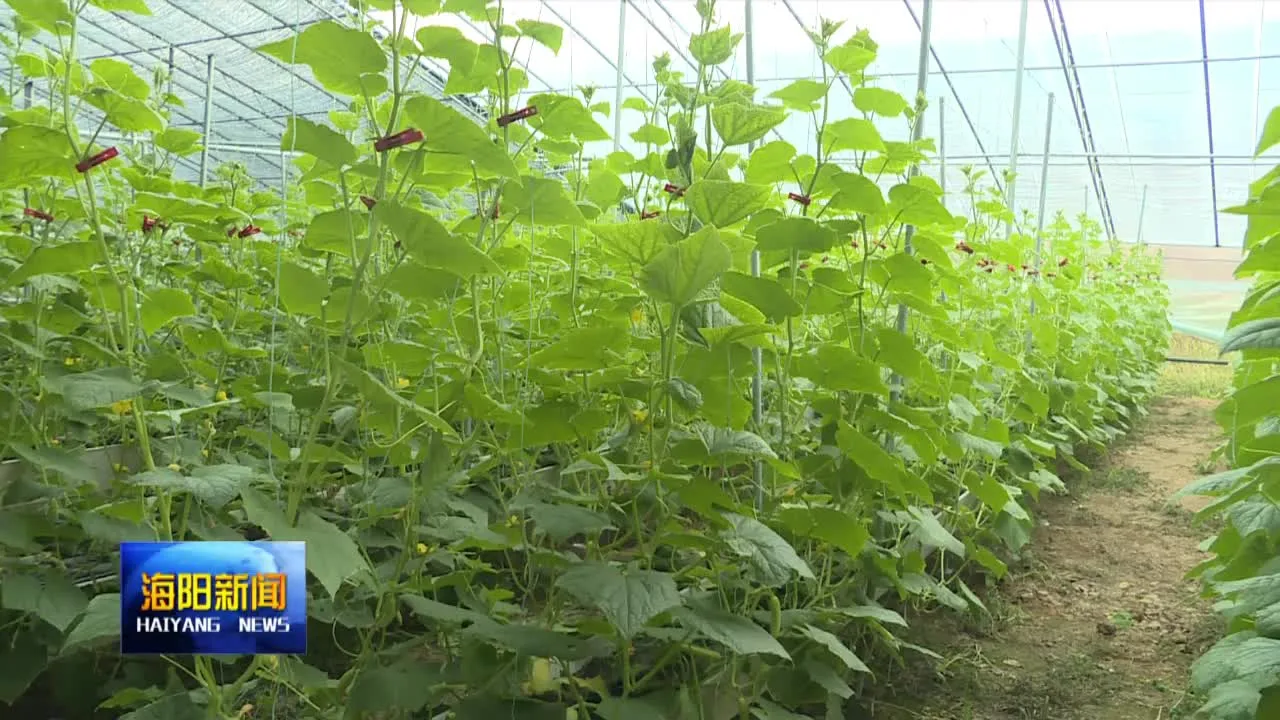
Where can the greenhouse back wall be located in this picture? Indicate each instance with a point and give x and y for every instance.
(639, 359)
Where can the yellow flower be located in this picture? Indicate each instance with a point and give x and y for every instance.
(402, 383)
(70, 361)
(117, 467)
(541, 677)
(205, 453)
(423, 549)
(639, 416)
(221, 396)
(513, 521)
(175, 467)
(55, 441)
(637, 315)
(122, 407)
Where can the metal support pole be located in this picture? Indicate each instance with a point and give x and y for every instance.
(896, 382)
(617, 93)
(1142, 212)
(1040, 210)
(942, 149)
(757, 355)
(1017, 115)
(169, 67)
(208, 119)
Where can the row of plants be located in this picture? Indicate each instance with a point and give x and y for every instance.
(1239, 677)
(509, 409)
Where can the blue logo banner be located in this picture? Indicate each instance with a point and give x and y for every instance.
(213, 598)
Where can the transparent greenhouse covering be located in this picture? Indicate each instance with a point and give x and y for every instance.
(1155, 105)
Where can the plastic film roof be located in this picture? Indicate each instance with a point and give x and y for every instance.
(1134, 86)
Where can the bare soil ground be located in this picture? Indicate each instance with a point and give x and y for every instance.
(1096, 621)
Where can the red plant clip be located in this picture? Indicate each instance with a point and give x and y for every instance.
(37, 214)
(963, 247)
(649, 215)
(802, 199)
(249, 230)
(368, 201)
(404, 137)
(673, 189)
(497, 210)
(148, 223)
(509, 118)
(1012, 268)
(1063, 262)
(96, 160)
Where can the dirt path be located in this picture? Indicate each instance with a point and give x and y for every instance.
(1097, 621)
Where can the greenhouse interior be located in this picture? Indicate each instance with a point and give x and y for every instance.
(640, 359)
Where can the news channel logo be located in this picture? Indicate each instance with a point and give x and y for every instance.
(213, 598)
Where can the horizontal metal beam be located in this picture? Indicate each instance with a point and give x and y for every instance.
(1196, 361)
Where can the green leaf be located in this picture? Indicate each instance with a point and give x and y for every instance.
(852, 134)
(216, 485)
(739, 123)
(428, 609)
(801, 234)
(842, 529)
(404, 687)
(302, 292)
(879, 101)
(771, 163)
(100, 620)
(29, 152)
(770, 558)
(1261, 334)
(588, 348)
(628, 598)
(733, 631)
(49, 459)
(96, 388)
(931, 533)
(332, 556)
(765, 294)
(835, 367)
(1270, 132)
(65, 259)
(853, 57)
(636, 242)
(51, 15)
(22, 660)
(801, 94)
(543, 202)
(428, 241)
(715, 46)
(50, 595)
(1235, 657)
(134, 6)
(856, 193)
(563, 117)
(339, 56)
(448, 133)
(870, 456)
(723, 203)
(322, 142)
(536, 641)
(125, 113)
(650, 134)
(120, 77)
(178, 141)
(163, 305)
(833, 645)
(682, 271)
(546, 34)
(560, 522)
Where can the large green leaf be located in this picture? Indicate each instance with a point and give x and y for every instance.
(51, 596)
(51, 15)
(723, 203)
(428, 242)
(548, 35)
(852, 134)
(733, 631)
(588, 348)
(338, 55)
(1261, 334)
(739, 123)
(332, 556)
(682, 271)
(714, 46)
(879, 101)
(302, 291)
(543, 202)
(449, 133)
(636, 242)
(65, 259)
(765, 294)
(164, 304)
(770, 558)
(800, 234)
(322, 142)
(629, 598)
(99, 621)
(96, 388)
(837, 648)
(30, 152)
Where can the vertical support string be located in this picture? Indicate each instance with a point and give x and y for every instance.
(757, 354)
(617, 90)
(896, 382)
(1040, 210)
(1017, 117)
